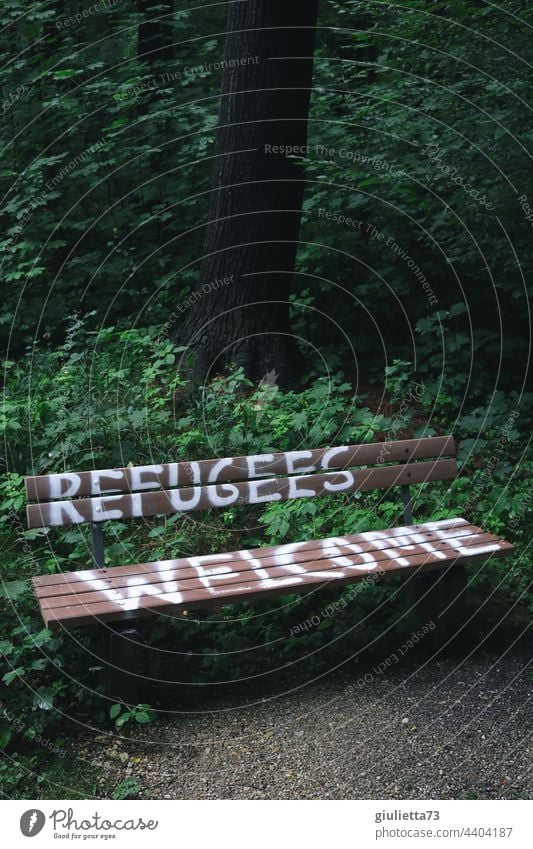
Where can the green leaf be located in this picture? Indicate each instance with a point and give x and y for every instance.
(128, 787)
(6, 648)
(6, 733)
(41, 638)
(9, 677)
(143, 717)
(64, 75)
(13, 589)
(114, 711)
(44, 699)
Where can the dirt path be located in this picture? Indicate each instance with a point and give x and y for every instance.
(444, 729)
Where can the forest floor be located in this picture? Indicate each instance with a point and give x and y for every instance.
(451, 728)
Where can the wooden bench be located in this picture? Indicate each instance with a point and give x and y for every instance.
(112, 594)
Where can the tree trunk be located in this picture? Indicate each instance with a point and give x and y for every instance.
(254, 220)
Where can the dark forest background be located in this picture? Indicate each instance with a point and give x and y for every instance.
(108, 142)
(409, 303)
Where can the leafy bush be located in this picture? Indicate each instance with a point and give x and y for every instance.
(117, 397)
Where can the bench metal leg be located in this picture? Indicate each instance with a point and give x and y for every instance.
(407, 506)
(122, 662)
(439, 597)
(451, 604)
(118, 643)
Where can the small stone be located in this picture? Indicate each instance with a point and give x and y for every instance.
(405, 720)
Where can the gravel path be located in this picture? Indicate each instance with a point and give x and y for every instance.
(449, 729)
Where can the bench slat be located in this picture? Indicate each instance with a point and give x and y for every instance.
(208, 586)
(87, 614)
(243, 492)
(169, 475)
(284, 548)
(239, 561)
(447, 542)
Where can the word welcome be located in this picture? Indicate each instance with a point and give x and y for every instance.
(435, 154)
(211, 580)
(192, 580)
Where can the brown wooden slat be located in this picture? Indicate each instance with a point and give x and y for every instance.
(90, 614)
(192, 583)
(243, 492)
(169, 475)
(170, 570)
(268, 550)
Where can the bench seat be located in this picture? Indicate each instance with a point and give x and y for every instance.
(74, 599)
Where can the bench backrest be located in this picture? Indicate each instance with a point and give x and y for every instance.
(102, 495)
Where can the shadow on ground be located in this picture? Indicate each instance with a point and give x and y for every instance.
(447, 726)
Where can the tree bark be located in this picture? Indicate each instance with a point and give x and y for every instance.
(254, 220)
